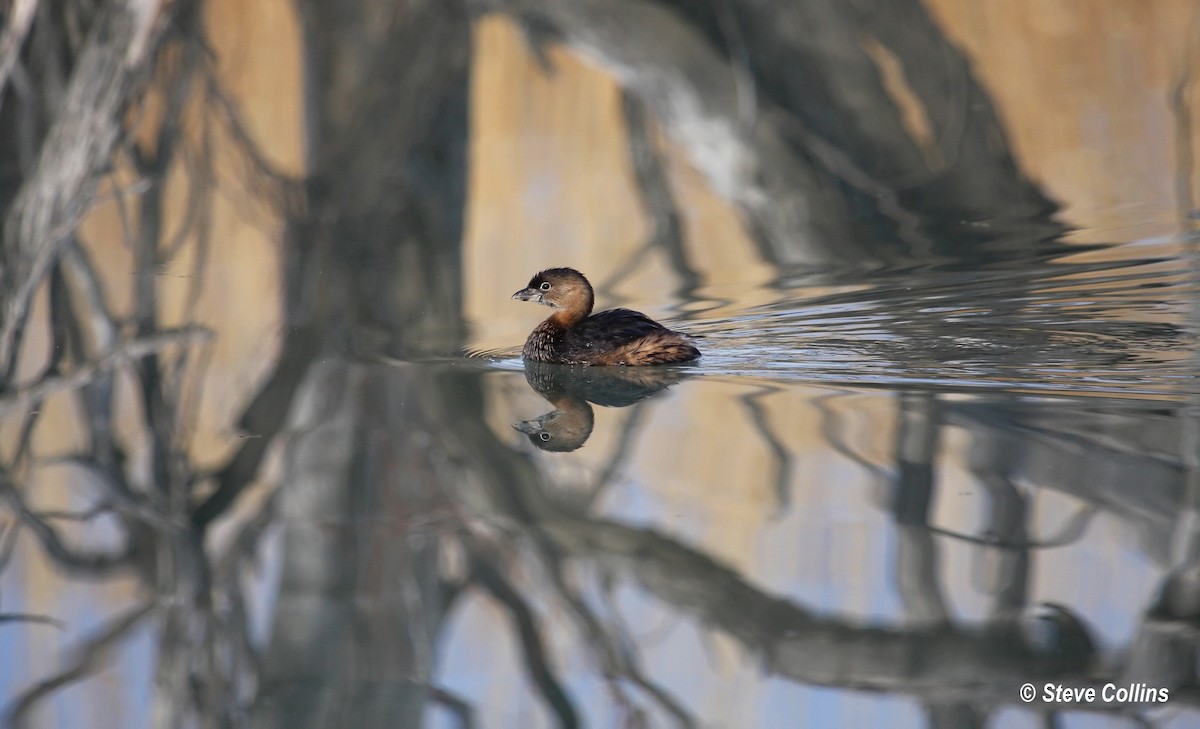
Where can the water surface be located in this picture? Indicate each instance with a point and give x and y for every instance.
(890, 502)
(943, 443)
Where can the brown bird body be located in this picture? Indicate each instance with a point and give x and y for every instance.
(613, 337)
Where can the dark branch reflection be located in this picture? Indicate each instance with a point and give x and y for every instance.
(952, 665)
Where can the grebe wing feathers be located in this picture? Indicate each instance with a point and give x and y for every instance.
(615, 327)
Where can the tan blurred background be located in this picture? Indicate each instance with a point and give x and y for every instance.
(1091, 95)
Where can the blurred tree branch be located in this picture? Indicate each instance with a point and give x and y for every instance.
(805, 132)
(20, 18)
(89, 658)
(666, 229)
(532, 645)
(80, 91)
(111, 69)
(85, 374)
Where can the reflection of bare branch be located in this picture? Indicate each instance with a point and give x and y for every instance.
(153, 160)
(1006, 572)
(943, 663)
(262, 419)
(1181, 114)
(666, 230)
(242, 658)
(284, 194)
(781, 458)
(17, 298)
(958, 715)
(81, 516)
(698, 100)
(455, 704)
(1071, 532)
(841, 164)
(8, 542)
(31, 618)
(917, 564)
(831, 431)
(25, 439)
(91, 657)
(242, 549)
(202, 238)
(20, 17)
(531, 641)
(86, 284)
(123, 353)
(111, 67)
(145, 507)
(94, 315)
(615, 661)
(96, 62)
(618, 460)
(63, 328)
(89, 563)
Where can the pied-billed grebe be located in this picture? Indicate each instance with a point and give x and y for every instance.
(613, 337)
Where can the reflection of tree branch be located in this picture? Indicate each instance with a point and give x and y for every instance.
(1071, 532)
(619, 457)
(93, 314)
(666, 231)
(243, 547)
(936, 663)
(831, 431)
(781, 458)
(283, 194)
(32, 618)
(958, 715)
(89, 659)
(202, 238)
(1181, 116)
(615, 661)
(1007, 573)
(16, 28)
(841, 164)
(121, 354)
(8, 542)
(531, 642)
(916, 557)
(455, 704)
(696, 97)
(89, 563)
(153, 161)
(64, 330)
(263, 418)
(25, 438)
(110, 69)
(83, 515)
(99, 134)
(145, 507)
(1075, 463)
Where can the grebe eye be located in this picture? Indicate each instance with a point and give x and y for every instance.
(544, 436)
(545, 286)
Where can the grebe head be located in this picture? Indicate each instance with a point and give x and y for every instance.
(559, 288)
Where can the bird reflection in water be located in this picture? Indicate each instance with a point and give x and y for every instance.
(572, 389)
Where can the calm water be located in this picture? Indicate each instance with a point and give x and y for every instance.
(891, 502)
(270, 459)
(887, 503)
